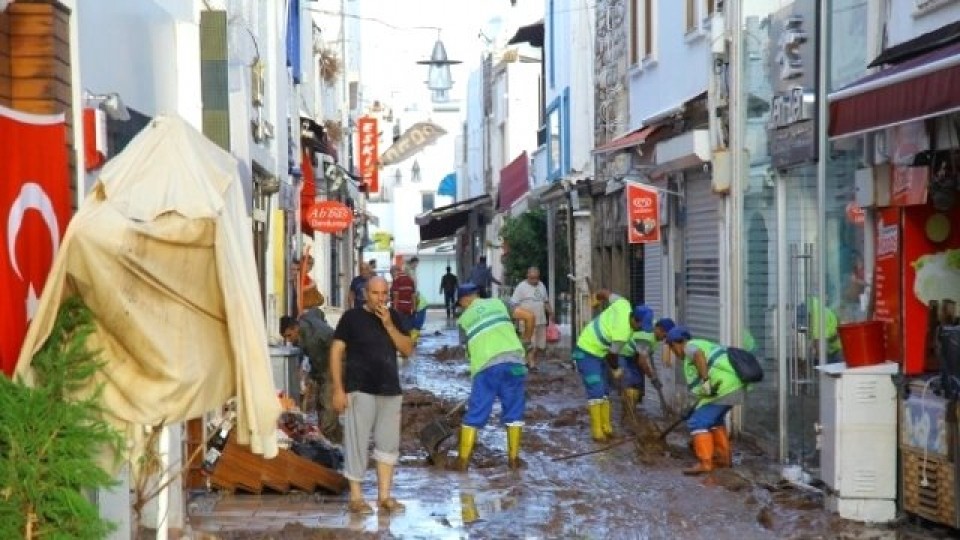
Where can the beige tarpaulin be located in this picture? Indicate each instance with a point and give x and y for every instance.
(162, 254)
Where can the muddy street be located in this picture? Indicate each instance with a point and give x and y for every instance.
(632, 490)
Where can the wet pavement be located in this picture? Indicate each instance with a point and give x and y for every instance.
(633, 490)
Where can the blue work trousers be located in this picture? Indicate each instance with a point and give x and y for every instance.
(632, 374)
(707, 416)
(593, 373)
(506, 381)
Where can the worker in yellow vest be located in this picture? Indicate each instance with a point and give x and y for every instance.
(598, 347)
(636, 360)
(814, 311)
(497, 368)
(714, 384)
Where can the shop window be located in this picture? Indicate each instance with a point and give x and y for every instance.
(427, 201)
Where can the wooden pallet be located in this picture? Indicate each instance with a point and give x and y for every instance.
(929, 487)
(240, 469)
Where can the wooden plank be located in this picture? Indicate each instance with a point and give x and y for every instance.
(41, 88)
(37, 106)
(38, 66)
(39, 46)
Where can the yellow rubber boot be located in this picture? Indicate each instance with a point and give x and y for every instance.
(596, 421)
(722, 453)
(468, 508)
(703, 449)
(605, 418)
(513, 446)
(468, 436)
(631, 396)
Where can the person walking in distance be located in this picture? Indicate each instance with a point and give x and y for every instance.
(496, 369)
(717, 388)
(531, 295)
(403, 295)
(358, 285)
(448, 286)
(482, 276)
(366, 390)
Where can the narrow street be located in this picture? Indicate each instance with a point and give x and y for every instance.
(618, 493)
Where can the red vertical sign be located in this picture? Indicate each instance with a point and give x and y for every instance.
(368, 152)
(643, 214)
(34, 210)
(887, 281)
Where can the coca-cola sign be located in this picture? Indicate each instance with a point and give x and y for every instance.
(329, 216)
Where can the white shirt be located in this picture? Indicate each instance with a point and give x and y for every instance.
(532, 298)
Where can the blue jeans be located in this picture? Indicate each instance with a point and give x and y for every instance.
(632, 374)
(506, 381)
(593, 373)
(707, 416)
(419, 318)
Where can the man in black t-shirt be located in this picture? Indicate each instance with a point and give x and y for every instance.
(366, 390)
(448, 286)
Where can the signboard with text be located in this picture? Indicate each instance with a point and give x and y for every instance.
(887, 284)
(643, 214)
(368, 151)
(329, 216)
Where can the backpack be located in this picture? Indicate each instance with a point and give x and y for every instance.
(745, 364)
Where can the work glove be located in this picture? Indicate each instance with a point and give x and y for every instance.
(657, 384)
(616, 373)
(613, 360)
(706, 389)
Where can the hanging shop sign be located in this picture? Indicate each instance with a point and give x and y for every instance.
(368, 143)
(418, 137)
(643, 214)
(792, 70)
(329, 216)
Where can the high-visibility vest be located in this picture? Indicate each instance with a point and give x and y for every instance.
(638, 337)
(721, 374)
(612, 325)
(490, 332)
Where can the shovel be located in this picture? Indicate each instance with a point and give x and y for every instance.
(683, 417)
(437, 431)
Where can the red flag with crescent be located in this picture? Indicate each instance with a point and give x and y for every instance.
(34, 211)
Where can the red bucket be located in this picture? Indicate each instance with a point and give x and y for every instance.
(863, 343)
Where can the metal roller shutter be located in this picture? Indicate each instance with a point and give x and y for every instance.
(700, 301)
(653, 278)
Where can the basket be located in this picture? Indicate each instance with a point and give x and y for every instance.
(929, 487)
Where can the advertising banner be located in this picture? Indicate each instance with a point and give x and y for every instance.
(931, 275)
(887, 280)
(415, 139)
(368, 151)
(643, 214)
(34, 211)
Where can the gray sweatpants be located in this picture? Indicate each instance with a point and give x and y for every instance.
(368, 414)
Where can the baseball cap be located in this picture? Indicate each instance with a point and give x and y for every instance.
(666, 324)
(644, 316)
(466, 289)
(677, 334)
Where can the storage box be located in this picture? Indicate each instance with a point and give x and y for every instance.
(923, 424)
(929, 487)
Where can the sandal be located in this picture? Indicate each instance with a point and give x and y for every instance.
(360, 508)
(392, 505)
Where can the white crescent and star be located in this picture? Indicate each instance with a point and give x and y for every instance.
(31, 197)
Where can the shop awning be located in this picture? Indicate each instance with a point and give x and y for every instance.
(922, 87)
(531, 33)
(445, 221)
(634, 138)
(514, 181)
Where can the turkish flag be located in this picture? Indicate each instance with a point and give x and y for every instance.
(34, 210)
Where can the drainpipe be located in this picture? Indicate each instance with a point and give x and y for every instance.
(571, 254)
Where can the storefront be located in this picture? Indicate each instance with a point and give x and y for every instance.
(781, 241)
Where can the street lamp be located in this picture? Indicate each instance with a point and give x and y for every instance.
(439, 80)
